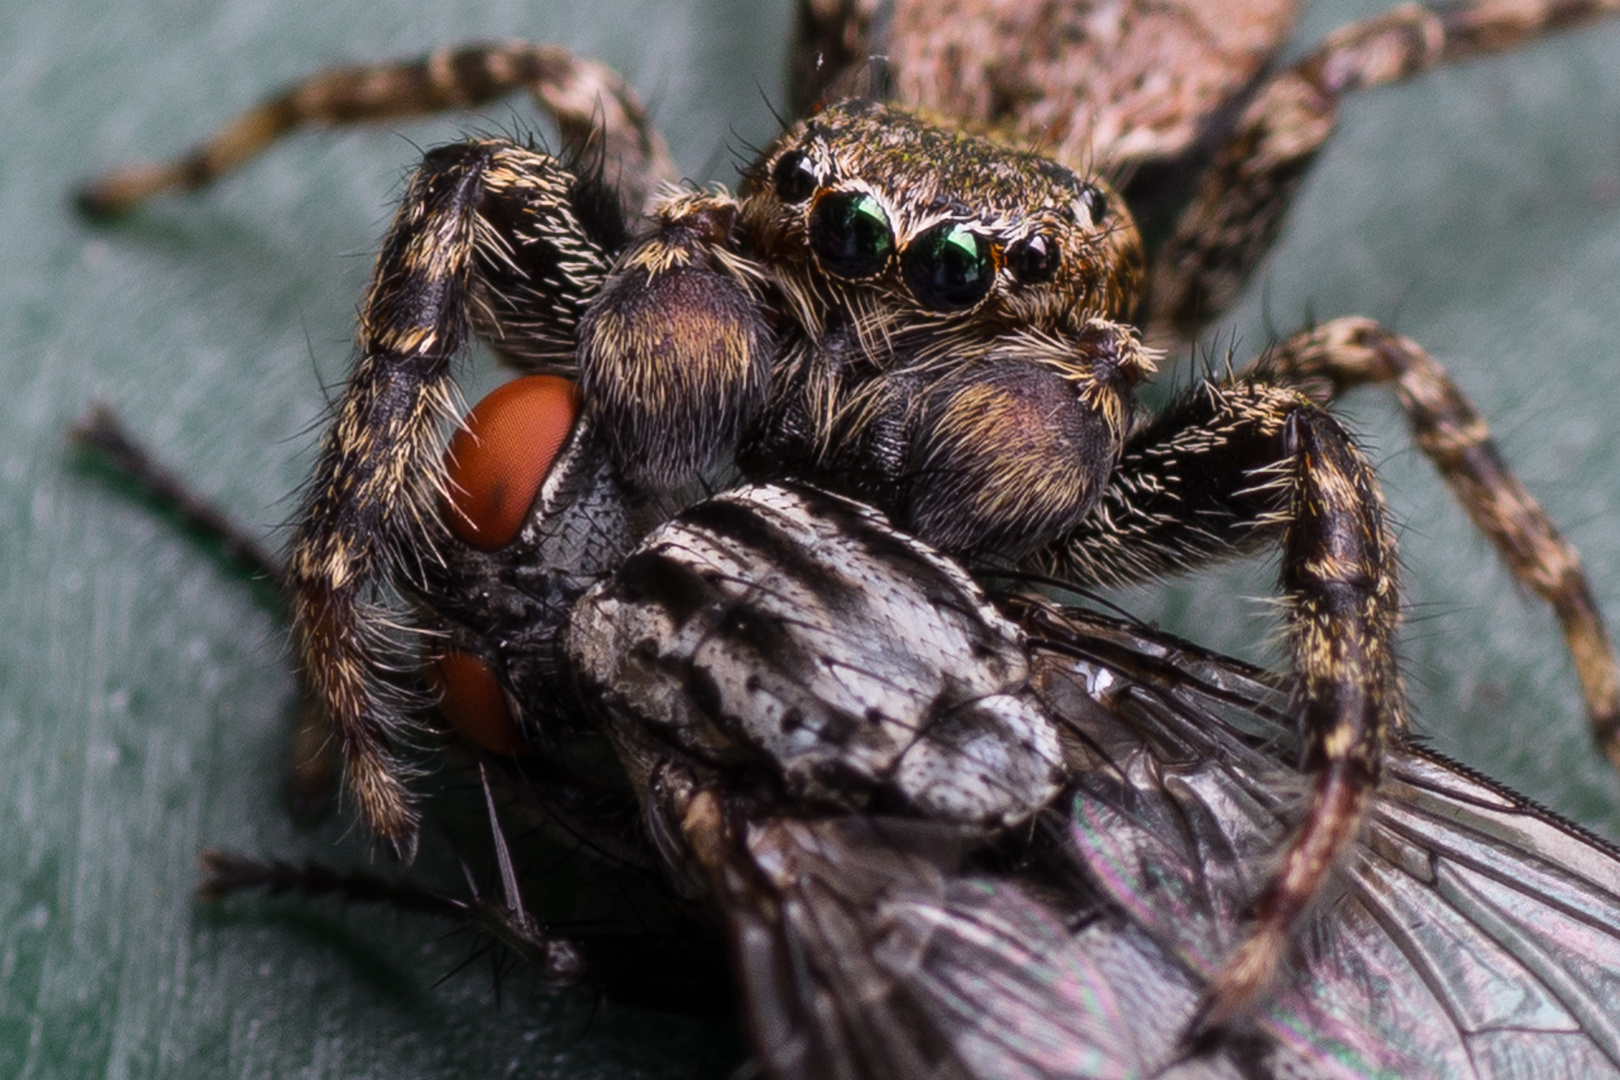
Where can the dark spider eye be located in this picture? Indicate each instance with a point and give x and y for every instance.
(850, 234)
(795, 178)
(1033, 259)
(949, 266)
(1095, 202)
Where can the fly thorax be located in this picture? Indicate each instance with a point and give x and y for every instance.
(795, 640)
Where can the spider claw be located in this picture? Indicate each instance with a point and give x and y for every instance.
(1239, 989)
(116, 193)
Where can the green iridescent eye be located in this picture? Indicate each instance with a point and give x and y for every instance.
(850, 234)
(949, 267)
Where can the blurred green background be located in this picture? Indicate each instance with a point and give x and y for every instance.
(143, 690)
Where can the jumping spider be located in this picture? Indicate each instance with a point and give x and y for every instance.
(931, 320)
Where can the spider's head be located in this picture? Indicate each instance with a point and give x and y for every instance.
(874, 212)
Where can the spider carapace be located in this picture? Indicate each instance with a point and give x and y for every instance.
(936, 322)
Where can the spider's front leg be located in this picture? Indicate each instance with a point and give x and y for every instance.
(481, 225)
(1220, 472)
(503, 241)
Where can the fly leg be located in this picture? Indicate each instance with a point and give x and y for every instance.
(682, 971)
(313, 765)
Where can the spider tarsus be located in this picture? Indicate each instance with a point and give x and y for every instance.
(117, 193)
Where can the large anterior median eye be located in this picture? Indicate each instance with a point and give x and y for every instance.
(850, 234)
(949, 267)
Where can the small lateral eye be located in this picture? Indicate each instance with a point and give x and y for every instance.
(501, 454)
(1095, 200)
(1034, 259)
(850, 234)
(794, 177)
(949, 267)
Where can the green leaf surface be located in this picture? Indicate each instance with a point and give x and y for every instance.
(144, 694)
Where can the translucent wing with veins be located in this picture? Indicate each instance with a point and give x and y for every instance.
(872, 957)
(1474, 933)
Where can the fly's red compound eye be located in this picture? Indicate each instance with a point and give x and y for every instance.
(501, 455)
(470, 697)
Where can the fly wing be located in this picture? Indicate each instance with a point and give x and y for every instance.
(868, 947)
(1510, 913)
(1473, 934)
(866, 950)
(1470, 934)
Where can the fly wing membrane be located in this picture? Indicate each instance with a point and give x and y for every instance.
(868, 950)
(871, 953)
(1520, 921)
(1174, 818)
(1473, 934)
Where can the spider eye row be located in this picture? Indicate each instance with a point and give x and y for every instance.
(949, 266)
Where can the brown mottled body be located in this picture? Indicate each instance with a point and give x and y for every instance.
(883, 383)
(935, 321)
(1144, 92)
(1088, 83)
